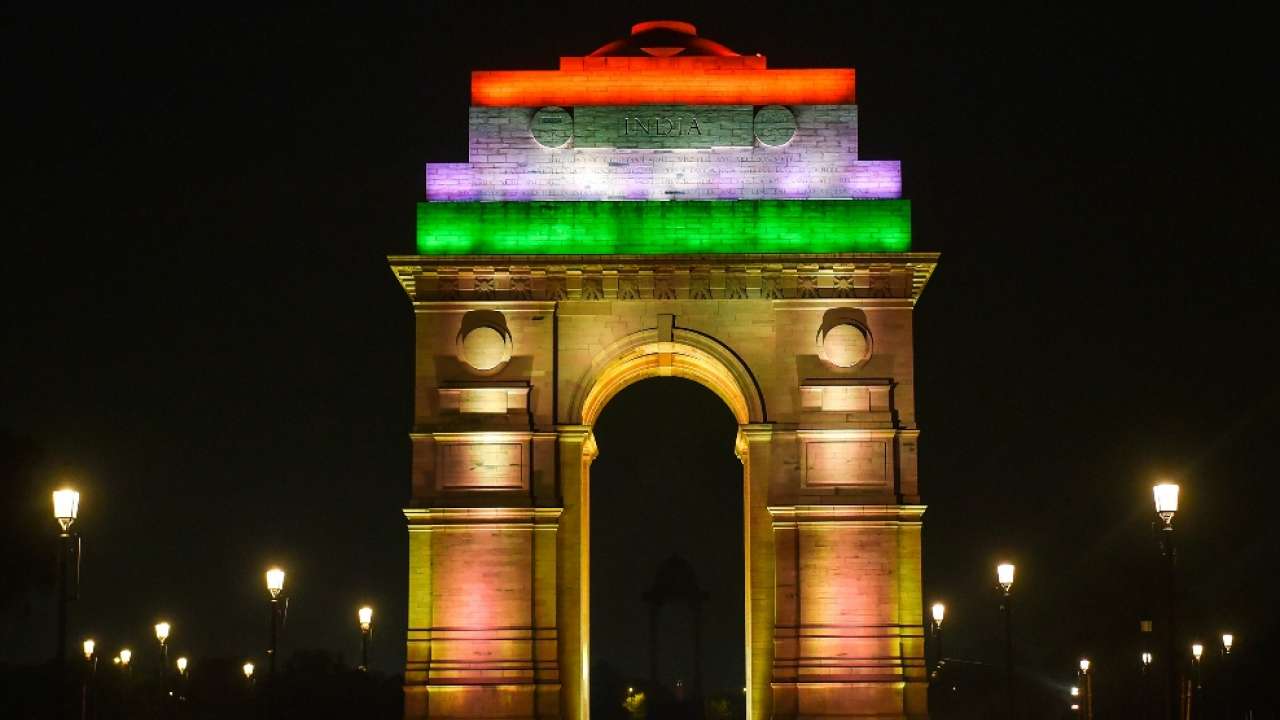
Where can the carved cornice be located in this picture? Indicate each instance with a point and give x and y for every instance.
(676, 277)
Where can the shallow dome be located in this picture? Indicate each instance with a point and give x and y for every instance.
(663, 38)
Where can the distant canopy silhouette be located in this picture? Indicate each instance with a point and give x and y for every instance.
(676, 582)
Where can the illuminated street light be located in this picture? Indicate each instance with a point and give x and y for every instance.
(115, 660)
(1146, 660)
(1227, 641)
(275, 584)
(182, 666)
(92, 662)
(1086, 679)
(1166, 495)
(1196, 651)
(162, 635)
(365, 616)
(1004, 576)
(1144, 694)
(1229, 691)
(66, 506)
(1166, 499)
(939, 612)
(1075, 691)
(248, 671)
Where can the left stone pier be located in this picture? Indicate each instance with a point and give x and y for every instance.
(483, 518)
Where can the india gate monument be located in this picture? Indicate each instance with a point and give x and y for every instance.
(664, 207)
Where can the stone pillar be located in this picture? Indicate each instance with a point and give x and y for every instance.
(481, 613)
(755, 449)
(850, 638)
(576, 450)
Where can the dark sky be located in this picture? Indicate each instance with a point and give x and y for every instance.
(200, 325)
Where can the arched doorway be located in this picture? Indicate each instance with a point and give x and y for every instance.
(663, 352)
(667, 554)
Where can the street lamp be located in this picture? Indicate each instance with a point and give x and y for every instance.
(365, 616)
(182, 666)
(939, 612)
(91, 668)
(1166, 499)
(247, 668)
(1196, 651)
(125, 656)
(1146, 671)
(66, 506)
(162, 635)
(275, 584)
(1004, 576)
(1227, 641)
(1087, 680)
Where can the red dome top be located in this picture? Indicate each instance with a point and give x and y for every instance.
(663, 38)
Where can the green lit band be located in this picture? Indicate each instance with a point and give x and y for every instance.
(664, 228)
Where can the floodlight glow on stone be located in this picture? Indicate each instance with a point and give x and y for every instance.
(664, 228)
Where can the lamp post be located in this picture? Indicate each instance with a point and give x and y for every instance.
(1229, 685)
(66, 506)
(1075, 698)
(162, 636)
(182, 677)
(365, 616)
(1086, 679)
(1146, 671)
(1004, 576)
(125, 656)
(275, 584)
(1166, 499)
(939, 611)
(247, 669)
(91, 667)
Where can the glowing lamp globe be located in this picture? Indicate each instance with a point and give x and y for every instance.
(1004, 574)
(275, 581)
(248, 669)
(182, 664)
(1075, 691)
(162, 632)
(66, 505)
(115, 660)
(1227, 641)
(1146, 658)
(1196, 651)
(939, 612)
(125, 655)
(1166, 495)
(1084, 666)
(365, 615)
(88, 648)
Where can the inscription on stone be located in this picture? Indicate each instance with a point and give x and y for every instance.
(672, 127)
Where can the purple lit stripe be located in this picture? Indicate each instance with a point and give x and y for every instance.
(639, 175)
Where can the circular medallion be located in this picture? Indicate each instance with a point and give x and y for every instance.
(844, 345)
(775, 125)
(485, 348)
(552, 127)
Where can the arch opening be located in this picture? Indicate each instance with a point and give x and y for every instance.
(667, 552)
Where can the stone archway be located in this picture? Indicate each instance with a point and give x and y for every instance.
(662, 351)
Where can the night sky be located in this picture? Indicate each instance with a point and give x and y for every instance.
(199, 325)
